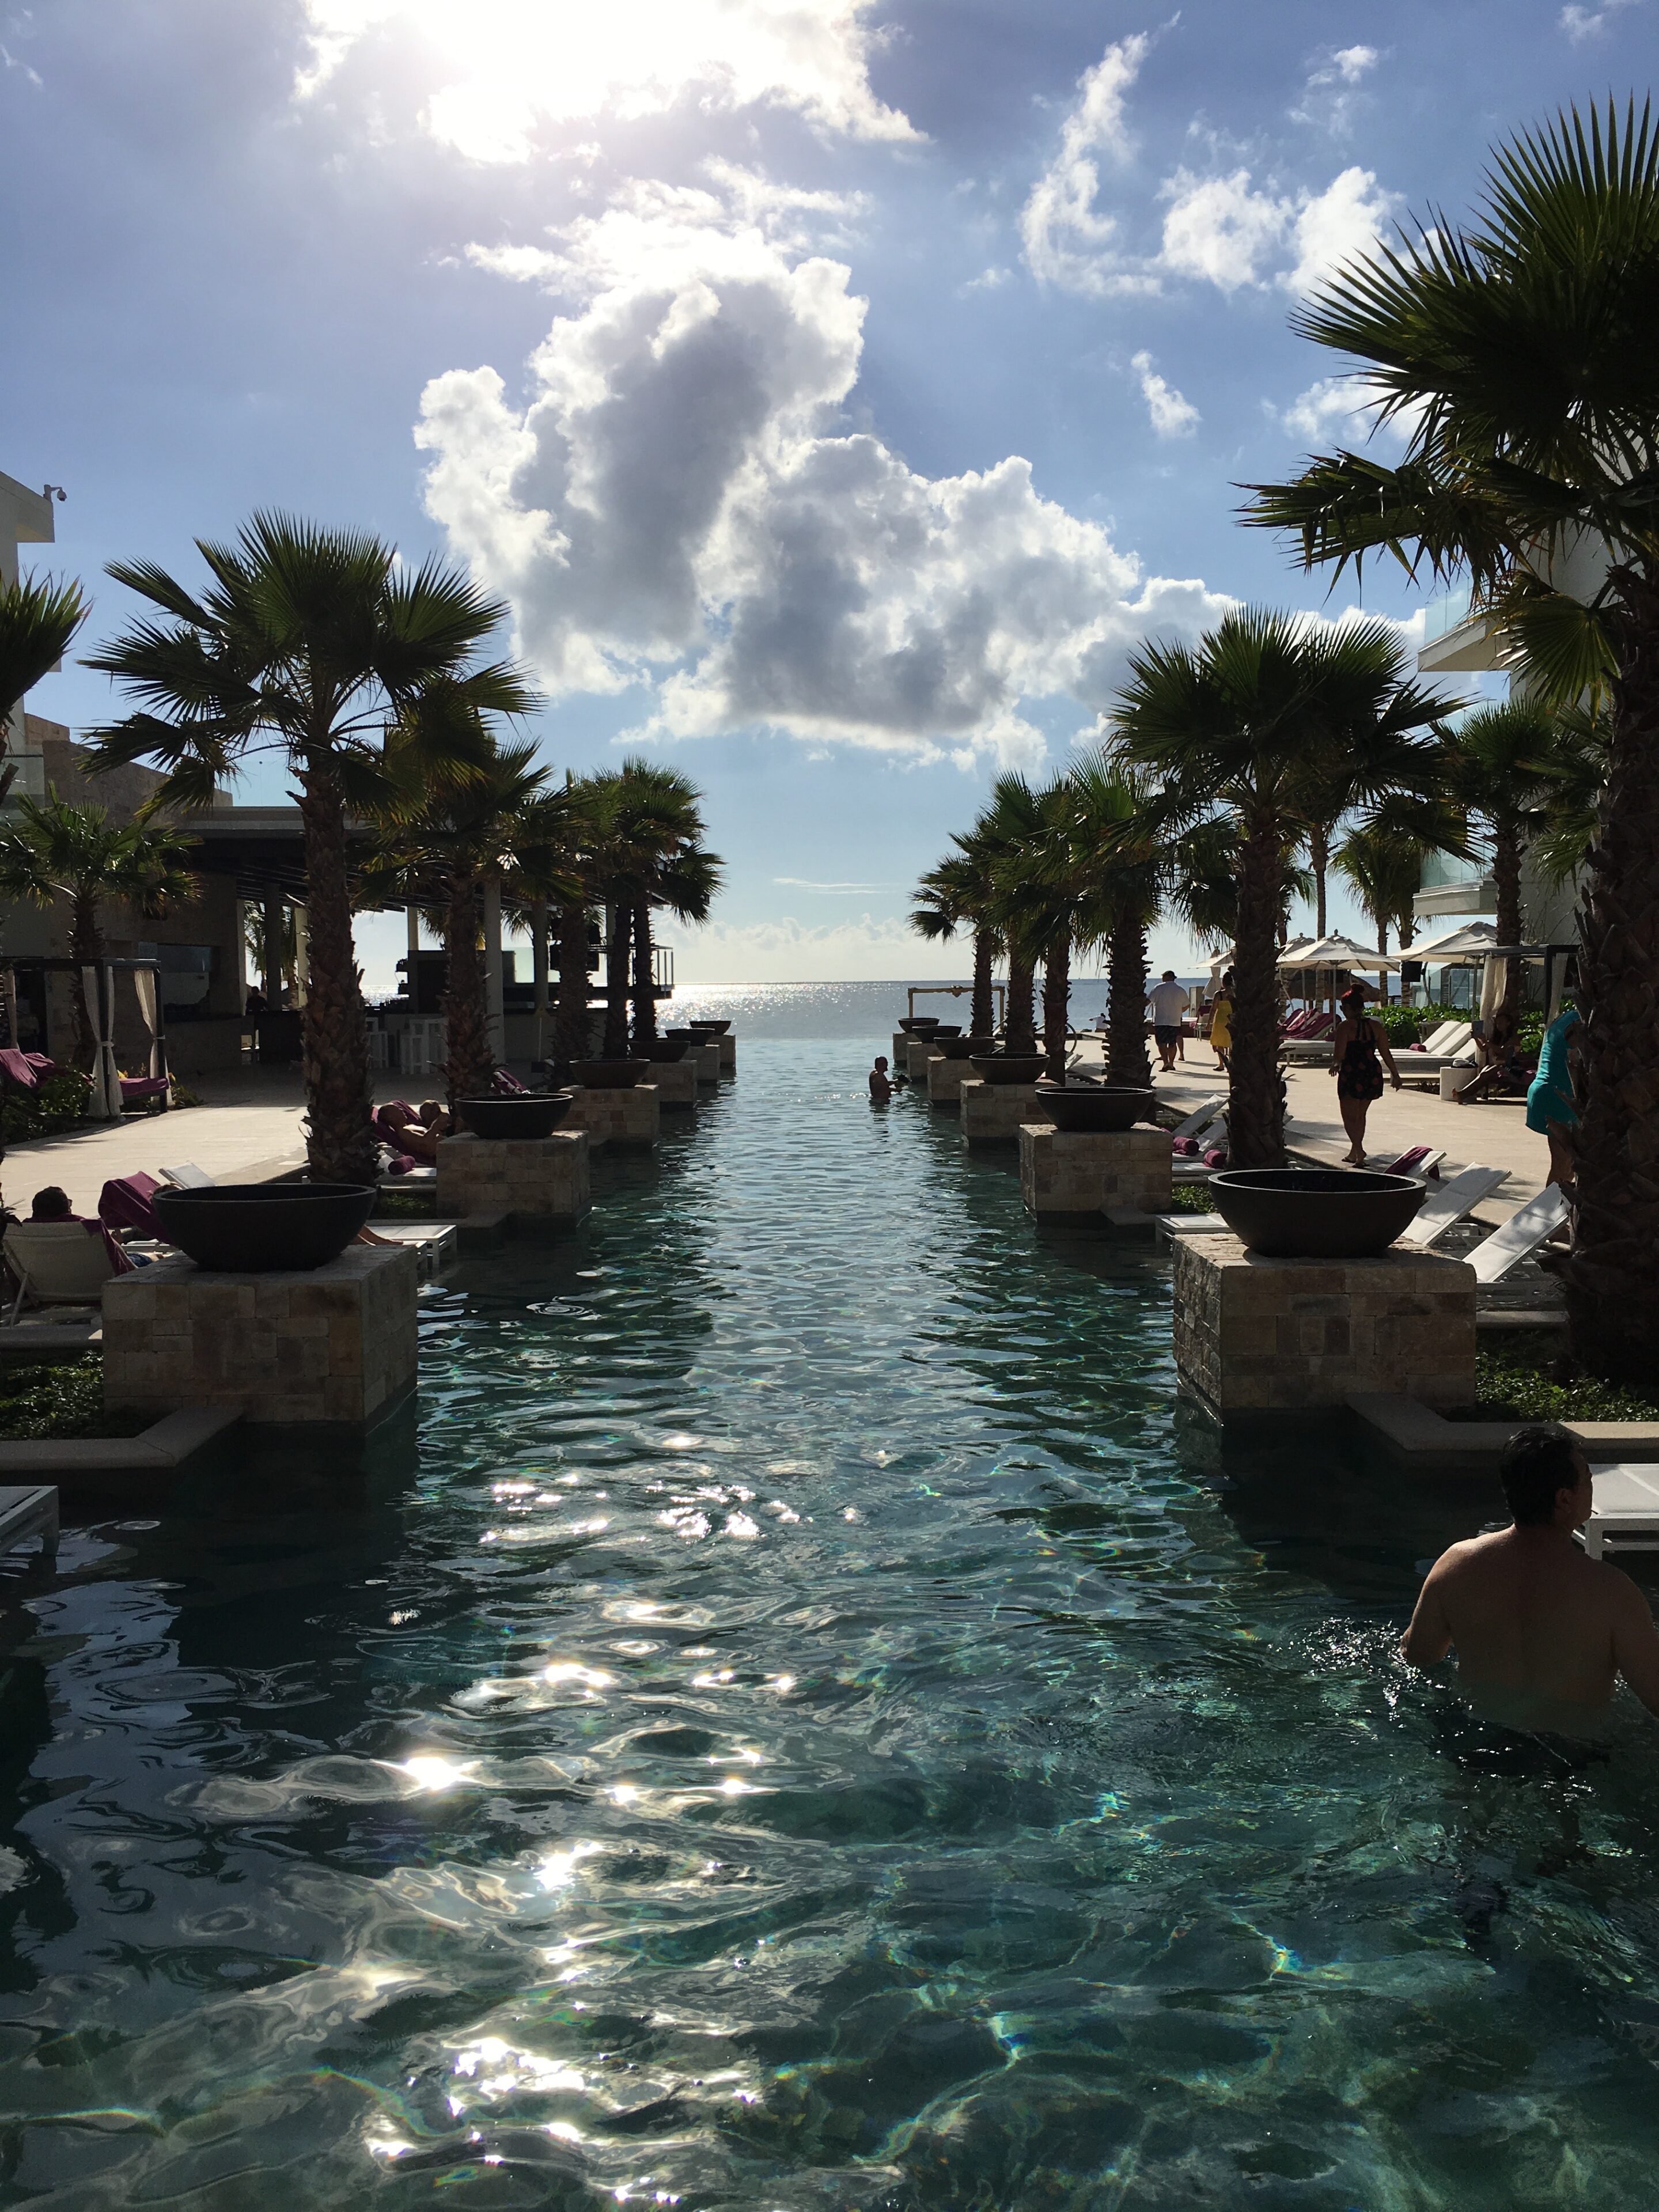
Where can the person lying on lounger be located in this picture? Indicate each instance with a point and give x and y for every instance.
(1542, 1633)
(413, 1132)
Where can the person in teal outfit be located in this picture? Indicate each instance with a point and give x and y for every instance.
(1552, 1110)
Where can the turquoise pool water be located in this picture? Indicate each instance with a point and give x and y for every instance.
(802, 1722)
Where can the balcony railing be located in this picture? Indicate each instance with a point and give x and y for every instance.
(1443, 615)
(662, 967)
(29, 774)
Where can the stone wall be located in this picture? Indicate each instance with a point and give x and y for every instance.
(1255, 1335)
(992, 1112)
(675, 1082)
(728, 1050)
(545, 1178)
(945, 1078)
(1063, 1172)
(916, 1059)
(332, 1344)
(706, 1059)
(628, 1118)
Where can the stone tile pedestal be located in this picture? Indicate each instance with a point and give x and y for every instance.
(945, 1078)
(992, 1112)
(631, 1120)
(706, 1059)
(916, 1059)
(334, 1344)
(1065, 1172)
(675, 1082)
(897, 1058)
(542, 1178)
(728, 1049)
(1254, 1335)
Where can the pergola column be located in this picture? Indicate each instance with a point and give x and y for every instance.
(271, 950)
(492, 938)
(538, 969)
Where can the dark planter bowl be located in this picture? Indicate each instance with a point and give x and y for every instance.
(684, 1037)
(514, 1117)
(1315, 1214)
(913, 1023)
(712, 1028)
(663, 1052)
(254, 1228)
(609, 1074)
(1094, 1106)
(1008, 1067)
(963, 1047)
(941, 1029)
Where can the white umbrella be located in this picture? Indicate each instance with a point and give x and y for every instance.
(1467, 944)
(1336, 952)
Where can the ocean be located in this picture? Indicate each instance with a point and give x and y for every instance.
(844, 1009)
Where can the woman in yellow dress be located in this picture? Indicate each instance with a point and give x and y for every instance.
(1221, 1020)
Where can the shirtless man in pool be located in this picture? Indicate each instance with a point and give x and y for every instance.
(1542, 1633)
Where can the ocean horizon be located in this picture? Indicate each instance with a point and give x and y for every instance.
(849, 1009)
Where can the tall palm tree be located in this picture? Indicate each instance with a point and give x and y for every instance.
(955, 895)
(439, 842)
(52, 849)
(39, 622)
(650, 824)
(1501, 770)
(1237, 731)
(1009, 830)
(1518, 352)
(1384, 866)
(308, 641)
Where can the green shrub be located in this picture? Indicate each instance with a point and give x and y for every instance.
(59, 1101)
(61, 1402)
(1509, 1392)
(1190, 1198)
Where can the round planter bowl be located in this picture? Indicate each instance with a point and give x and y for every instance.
(256, 1228)
(1008, 1067)
(711, 1029)
(663, 1052)
(942, 1030)
(963, 1047)
(1094, 1106)
(916, 1025)
(1315, 1214)
(514, 1117)
(609, 1074)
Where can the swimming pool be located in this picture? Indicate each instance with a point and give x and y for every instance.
(800, 1719)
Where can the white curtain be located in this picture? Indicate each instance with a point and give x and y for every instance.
(1491, 991)
(143, 982)
(105, 1102)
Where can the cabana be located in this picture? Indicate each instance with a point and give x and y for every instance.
(111, 1091)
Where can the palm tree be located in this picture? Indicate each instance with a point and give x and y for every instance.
(1037, 888)
(649, 824)
(1011, 826)
(955, 895)
(38, 621)
(307, 642)
(1240, 731)
(52, 849)
(1518, 353)
(1385, 867)
(1501, 770)
(440, 841)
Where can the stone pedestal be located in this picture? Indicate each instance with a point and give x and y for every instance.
(916, 1059)
(333, 1344)
(675, 1082)
(728, 1055)
(1254, 1335)
(900, 1047)
(992, 1112)
(706, 1059)
(627, 1119)
(543, 1178)
(945, 1078)
(1065, 1172)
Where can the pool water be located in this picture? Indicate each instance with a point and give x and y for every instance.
(798, 1717)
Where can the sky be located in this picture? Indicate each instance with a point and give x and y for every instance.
(837, 390)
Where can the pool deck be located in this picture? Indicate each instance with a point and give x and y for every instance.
(1495, 1134)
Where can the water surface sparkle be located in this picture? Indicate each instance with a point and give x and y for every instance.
(805, 1724)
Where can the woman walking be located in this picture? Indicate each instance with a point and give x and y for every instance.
(1551, 1109)
(1221, 1021)
(1359, 1051)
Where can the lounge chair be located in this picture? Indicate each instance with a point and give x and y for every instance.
(1526, 1228)
(145, 1090)
(1421, 1161)
(1625, 1511)
(1458, 1195)
(29, 1509)
(124, 1203)
(188, 1178)
(1444, 1036)
(1183, 1134)
(57, 1263)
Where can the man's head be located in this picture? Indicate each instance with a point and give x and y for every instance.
(1168, 975)
(51, 1204)
(881, 1063)
(1546, 1477)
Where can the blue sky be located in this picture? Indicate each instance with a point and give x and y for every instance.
(836, 392)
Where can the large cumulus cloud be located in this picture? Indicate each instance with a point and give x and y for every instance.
(679, 501)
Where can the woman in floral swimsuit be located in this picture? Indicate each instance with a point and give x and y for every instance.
(1355, 1062)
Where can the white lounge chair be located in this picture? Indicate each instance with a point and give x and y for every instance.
(1523, 1233)
(29, 1509)
(1449, 1202)
(57, 1263)
(188, 1177)
(1625, 1513)
(1201, 1117)
(1445, 1036)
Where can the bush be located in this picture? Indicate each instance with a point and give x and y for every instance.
(62, 1402)
(57, 1103)
(1507, 1392)
(1190, 1198)
(1410, 1024)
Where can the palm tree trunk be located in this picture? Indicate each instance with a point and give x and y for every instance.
(1126, 1025)
(1612, 1275)
(340, 1145)
(615, 983)
(645, 990)
(1255, 1108)
(571, 1020)
(1319, 861)
(469, 1068)
(86, 949)
(1056, 1004)
(1020, 1029)
(982, 1020)
(1506, 910)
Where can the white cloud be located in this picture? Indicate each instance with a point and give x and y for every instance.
(678, 506)
(805, 883)
(1345, 220)
(1173, 416)
(1067, 242)
(1351, 62)
(1330, 96)
(988, 280)
(1341, 410)
(1223, 229)
(499, 69)
(1582, 23)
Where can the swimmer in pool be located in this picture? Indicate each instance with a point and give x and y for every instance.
(881, 1088)
(1542, 1633)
